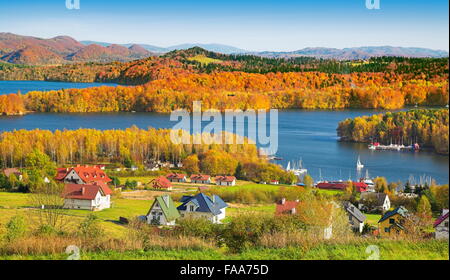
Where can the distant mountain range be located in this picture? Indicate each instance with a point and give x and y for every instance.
(357, 53)
(30, 50)
(219, 48)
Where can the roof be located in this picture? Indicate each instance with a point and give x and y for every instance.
(379, 197)
(204, 203)
(85, 192)
(162, 182)
(286, 207)
(199, 177)
(225, 178)
(360, 186)
(354, 211)
(8, 171)
(88, 174)
(441, 219)
(399, 210)
(332, 185)
(176, 176)
(167, 206)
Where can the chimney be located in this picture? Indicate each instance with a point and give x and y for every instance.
(214, 199)
(283, 201)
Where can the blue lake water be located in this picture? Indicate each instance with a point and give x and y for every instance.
(7, 87)
(309, 135)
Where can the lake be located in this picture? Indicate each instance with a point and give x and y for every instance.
(7, 87)
(309, 135)
(303, 134)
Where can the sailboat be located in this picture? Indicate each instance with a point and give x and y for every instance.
(297, 168)
(369, 182)
(359, 165)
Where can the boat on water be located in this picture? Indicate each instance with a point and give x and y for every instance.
(359, 164)
(297, 168)
(393, 147)
(368, 181)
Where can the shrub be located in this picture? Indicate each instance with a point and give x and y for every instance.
(15, 228)
(90, 227)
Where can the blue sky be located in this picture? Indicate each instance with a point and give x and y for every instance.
(280, 25)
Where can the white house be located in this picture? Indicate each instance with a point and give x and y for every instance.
(163, 212)
(178, 178)
(87, 197)
(380, 201)
(202, 206)
(355, 217)
(82, 175)
(200, 179)
(225, 180)
(441, 226)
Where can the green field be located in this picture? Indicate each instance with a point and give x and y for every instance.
(16, 203)
(389, 250)
(204, 59)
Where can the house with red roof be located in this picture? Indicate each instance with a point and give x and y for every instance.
(12, 171)
(82, 174)
(225, 180)
(441, 226)
(161, 183)
(200, 179)
(93, 197)
(360, 186)
(176, 177)
(285, 207)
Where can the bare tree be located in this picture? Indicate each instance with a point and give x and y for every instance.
(47, 202)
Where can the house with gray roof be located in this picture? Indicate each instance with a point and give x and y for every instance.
(202, 206)
(163, 211)
(374, 202)
(356, 218)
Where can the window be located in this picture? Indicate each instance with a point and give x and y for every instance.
(387, 230)
(392, 221)
(191, 208)
(446, 224)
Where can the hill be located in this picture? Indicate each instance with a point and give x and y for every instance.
(356, 53)
(29, 50)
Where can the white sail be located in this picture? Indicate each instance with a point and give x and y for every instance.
(359, 165)
(288, 168)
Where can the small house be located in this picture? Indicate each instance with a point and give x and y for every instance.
(7, 172)
(225, 180)
(163, 211)
(285, 207)
(202, 206)
(356, 218)
(375, 201)
(274, 182)
(175, 177)
(161, 183)
(441, 226)
(200, 179)
(87, 197)
(393, 222)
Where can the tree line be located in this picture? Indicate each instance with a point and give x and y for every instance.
(239, 90)
(427, 127)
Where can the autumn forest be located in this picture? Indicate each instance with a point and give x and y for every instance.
(175, 80)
